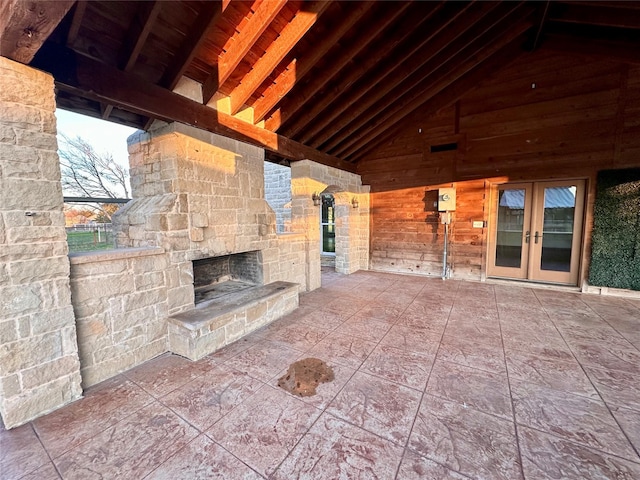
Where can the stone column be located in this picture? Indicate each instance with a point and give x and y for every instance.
(305, 218)
(39, 367)
(352, 224)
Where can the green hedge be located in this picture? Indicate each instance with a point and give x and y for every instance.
(615, 255)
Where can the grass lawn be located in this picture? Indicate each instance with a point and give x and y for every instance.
(88, 241)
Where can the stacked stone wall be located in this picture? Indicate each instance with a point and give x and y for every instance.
(120, 302)
(39, 366)
(352, 224)
(199, 195)
(277, 192)
(196, 195)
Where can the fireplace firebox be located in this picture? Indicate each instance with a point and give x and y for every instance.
(215, 277)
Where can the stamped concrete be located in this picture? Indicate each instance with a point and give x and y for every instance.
(433, 379)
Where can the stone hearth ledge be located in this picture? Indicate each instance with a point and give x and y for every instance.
(221, 321)
(78, 258)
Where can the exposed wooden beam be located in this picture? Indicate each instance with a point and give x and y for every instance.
(395, 68)
(105, 111)
(88, 78)
(137, 35)
(134, 41)
(347, 54)
(599, 15)
(264, 14)
(207, 18)
(298, 68)
(620, 4)
(441, 50)
(627, 52)
(25, 26)
(382, 48)
(446, 97)
(481, 39)
(422, 93)
(288, 38)
(76, 21)
(508, 40)
(543, 18)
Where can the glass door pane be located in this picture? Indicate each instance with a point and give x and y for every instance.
(328, 239)
(510, 227)
(557, 231)
(557, 228)
(328, 225)
(510, 223)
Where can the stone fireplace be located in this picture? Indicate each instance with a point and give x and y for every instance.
(215, 277)
(200, 198)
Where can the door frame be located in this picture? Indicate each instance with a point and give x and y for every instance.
(527, 269)
(507, 272)
(323, 224)
(572, 276)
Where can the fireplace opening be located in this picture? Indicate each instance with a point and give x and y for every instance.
(216, 277)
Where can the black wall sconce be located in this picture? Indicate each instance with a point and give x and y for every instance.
(316, 199)
(355, 203)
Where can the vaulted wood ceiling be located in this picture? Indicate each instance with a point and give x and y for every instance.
(325, 80)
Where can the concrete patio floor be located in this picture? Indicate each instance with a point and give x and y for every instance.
(433, 379)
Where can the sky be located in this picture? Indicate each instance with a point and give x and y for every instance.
(105, 137)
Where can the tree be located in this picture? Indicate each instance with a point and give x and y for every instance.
(86, 173)
(78, 215)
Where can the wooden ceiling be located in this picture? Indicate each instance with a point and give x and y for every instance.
(325, 80)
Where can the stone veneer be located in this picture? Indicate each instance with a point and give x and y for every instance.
(352, 224)
(39, 366)
(198, 195)
(277, 192)
(216, 323)
(120, 302)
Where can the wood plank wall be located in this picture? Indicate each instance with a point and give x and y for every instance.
(549, 115)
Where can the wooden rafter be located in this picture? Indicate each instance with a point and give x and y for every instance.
(264, 14)
(607, 49)
(105, 110)
(446, 53)
(138, 33)
(76, 21)
(370, 65)
(25, 26)
(413, 102)
(445, 98)
(543, 19)
(599, 15)
(288, 38)
(394, 67)
(348, 53)
(94, 80)
(134, 41)
(207, 18)
(298, 68)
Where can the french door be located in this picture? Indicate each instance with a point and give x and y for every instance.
(328, 225)
(536, 231)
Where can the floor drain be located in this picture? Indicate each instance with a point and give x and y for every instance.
(305, 375)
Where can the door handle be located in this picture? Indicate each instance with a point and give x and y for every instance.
(527, 236)
(536, 236)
